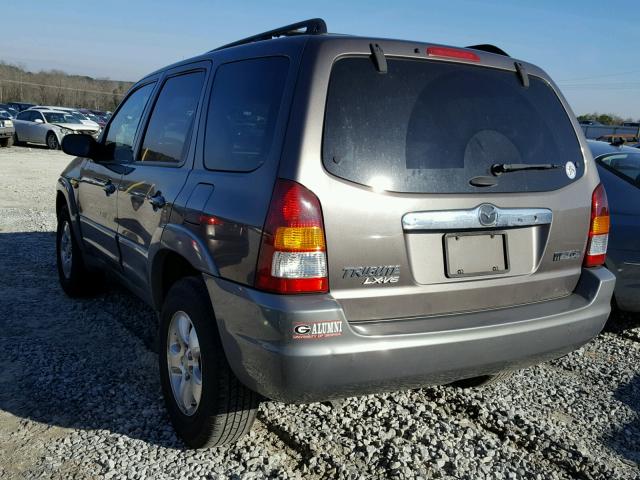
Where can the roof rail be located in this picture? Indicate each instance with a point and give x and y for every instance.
(489, 48)
(313, 26)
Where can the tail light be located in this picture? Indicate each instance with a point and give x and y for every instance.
(457, 53)
(293, 255)
(599, 229)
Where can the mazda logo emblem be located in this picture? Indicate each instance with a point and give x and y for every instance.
(487, 215)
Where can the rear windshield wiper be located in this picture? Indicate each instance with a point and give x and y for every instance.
(500, 168)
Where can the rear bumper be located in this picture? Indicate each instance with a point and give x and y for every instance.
(257, 331)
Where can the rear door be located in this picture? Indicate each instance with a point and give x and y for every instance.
(23, 125)
(416, 221)
(162, 163)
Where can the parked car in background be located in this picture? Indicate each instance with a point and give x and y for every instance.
(7, 129)
(619, 169)
(320, 216)
(48, 127)
(11, 111)
(20, 106)
(589, 122)
(101, 119)
(71, 111)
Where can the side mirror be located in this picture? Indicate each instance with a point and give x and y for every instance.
(38, 120)
(80, 145)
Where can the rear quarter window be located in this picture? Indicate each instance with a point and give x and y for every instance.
(245, 103)
(430, 126)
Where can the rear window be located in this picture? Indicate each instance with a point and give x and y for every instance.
(429, 127)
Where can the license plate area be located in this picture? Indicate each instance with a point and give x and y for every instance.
(475, 254)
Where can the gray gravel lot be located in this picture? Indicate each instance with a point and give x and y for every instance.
(80, 396)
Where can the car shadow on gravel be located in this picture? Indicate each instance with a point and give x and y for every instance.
(625, 440)
(622, 323)
(88, 364)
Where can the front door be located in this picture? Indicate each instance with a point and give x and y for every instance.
(96, 197)
(99, 182)
(152, 183)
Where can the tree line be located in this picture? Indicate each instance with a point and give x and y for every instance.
(605, 118)
(55, 87)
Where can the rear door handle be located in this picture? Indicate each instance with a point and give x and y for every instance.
(157, 201)
(109, 188)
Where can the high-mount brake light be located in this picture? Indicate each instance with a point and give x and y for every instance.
(598, 229)
(446, 52)
(293, 255)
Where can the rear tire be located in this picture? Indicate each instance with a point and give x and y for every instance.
(52, 141)
(207, 404)
(15, 139)
(75, 279)
(483, 381)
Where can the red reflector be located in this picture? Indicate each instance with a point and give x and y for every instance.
(210, 220)
(445, 52)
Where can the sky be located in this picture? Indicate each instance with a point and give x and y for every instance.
(589, 47)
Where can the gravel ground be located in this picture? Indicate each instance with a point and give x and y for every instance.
(80, 397)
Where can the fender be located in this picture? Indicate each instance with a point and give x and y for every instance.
(180, 240)
(65, 187)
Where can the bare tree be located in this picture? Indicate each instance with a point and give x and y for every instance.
(55, 87)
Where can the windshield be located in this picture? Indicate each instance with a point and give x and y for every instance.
(4, 114)
(431, 126)
(59, 117)
(624, 164)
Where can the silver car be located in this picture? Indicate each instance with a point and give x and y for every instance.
(317, 216)
(48, 127)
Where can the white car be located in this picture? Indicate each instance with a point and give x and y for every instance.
(75, 113)
(49, 127)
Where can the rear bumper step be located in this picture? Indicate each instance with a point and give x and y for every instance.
(269, 355)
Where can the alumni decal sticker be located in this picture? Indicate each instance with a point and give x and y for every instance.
(316, 330)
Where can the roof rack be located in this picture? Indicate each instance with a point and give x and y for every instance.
(313, 26)
(489, 48)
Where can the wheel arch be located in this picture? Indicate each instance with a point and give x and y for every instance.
(178, 253)
(57, 133)
(65, 198)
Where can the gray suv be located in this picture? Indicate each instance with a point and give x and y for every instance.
(317, 216)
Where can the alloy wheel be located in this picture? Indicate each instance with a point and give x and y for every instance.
(184, 363)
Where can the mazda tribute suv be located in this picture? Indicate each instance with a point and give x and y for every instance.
(318, 216)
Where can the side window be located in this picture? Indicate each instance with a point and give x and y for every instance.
(37, 115)
(627, 165)
(123, 127)
(26, 116)
(243, 109)
(169, 129)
